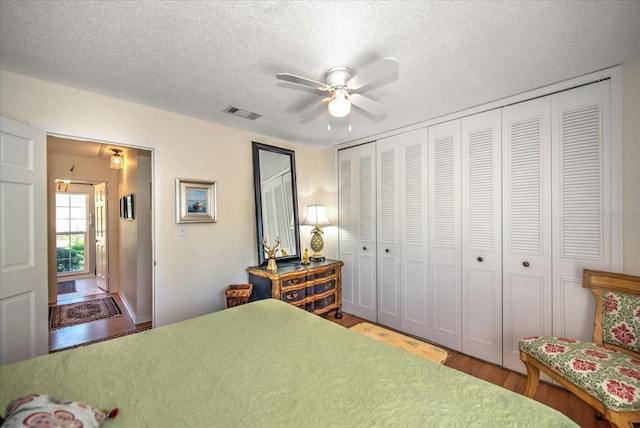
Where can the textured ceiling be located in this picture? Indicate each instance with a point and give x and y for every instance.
(199, 57)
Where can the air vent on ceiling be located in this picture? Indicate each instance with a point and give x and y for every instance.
(242, 113)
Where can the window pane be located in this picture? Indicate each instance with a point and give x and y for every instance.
(62, 226)
(62, 241)
(78, 225)
(78, 200)
(62, 199)
(62, 213)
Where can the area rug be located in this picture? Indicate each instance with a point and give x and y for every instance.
(61, 316)
(409, 344)
(66, 287)
(101, 340)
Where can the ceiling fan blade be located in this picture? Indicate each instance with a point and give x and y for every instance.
(311, 114)
(380, 70)
(302, 81)
(368, 105)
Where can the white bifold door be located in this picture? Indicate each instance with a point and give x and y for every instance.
(402, 232)
(465, 249)
(357, 234)
(557, 193)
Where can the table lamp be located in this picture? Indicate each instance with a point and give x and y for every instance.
(316, 217)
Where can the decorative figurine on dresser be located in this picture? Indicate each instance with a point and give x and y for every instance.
(315, 287)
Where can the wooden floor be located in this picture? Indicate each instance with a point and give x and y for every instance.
(95, 330)
(552, 396)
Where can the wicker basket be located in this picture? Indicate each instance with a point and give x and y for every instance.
(238, 294)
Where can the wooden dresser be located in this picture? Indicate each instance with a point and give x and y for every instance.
(316, 287)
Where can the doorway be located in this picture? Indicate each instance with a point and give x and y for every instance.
(128, 247)
(76, 225)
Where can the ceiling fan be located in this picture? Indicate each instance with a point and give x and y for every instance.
(343, 87)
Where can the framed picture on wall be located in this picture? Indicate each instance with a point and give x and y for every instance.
(128, 207)
(195, 201)
(122, 214)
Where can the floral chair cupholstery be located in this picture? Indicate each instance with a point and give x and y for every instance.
(604, 373)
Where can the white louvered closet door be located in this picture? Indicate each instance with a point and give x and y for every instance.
(388, 245)
(444, 234)
(581, 201)
(482, 236)
(527, 274)
(357, 235)
(402, 232)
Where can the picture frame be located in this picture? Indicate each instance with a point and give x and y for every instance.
(128, 207)
(195, 201)
(122, 214)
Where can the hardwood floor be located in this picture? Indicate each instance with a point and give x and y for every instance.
(83, 333)
(550, 395)
(555, 397)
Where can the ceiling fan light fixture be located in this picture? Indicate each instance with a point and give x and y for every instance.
(339, 106)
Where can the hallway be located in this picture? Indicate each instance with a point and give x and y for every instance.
(95, 330)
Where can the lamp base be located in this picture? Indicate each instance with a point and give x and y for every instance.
(317, 259)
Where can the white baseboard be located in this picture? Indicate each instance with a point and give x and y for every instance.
(134, 317)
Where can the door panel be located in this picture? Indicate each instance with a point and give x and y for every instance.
(444, 234)
(481, 236)
(356, 212)
(102, 244)
(23, 242)
(527, 275)
(581, 199)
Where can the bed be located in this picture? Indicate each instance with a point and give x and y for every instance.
(268, 363)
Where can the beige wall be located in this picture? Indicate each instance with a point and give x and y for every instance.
(631, 150)
(191, 272)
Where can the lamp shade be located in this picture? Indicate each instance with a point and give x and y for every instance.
(316, 216)
(117, 162)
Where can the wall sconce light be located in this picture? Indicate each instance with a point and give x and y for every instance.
(316, 217)
(117, 162)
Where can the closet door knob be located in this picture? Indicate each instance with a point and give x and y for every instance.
(525, 264)
(364, 248)
(480, 259)
(386, 250)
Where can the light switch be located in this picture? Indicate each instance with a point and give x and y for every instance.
(182, 230)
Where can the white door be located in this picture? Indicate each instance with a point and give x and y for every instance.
(23, 242)
(388, 236)
(357, 234)
(402, 232)
(481, 236)
(581, 179)
(102, 244)
(526, 248)
(444, 234)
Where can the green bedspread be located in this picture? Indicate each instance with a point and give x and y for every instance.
(268, 364)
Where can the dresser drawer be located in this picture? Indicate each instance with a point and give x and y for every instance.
(293, 282)
(293, 296)
(324, 286)
(325, 274)
(323, 304)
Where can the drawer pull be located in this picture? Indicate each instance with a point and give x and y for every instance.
(292, 296)
(480, 259)
(525, 264)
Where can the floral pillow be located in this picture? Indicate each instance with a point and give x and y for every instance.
(37, 410)
(621, 320)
